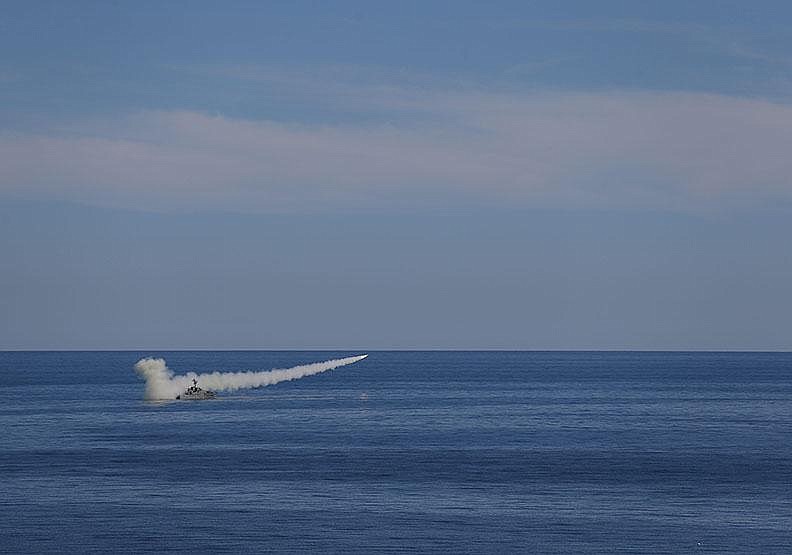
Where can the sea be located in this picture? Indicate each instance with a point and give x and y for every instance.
(427, 452)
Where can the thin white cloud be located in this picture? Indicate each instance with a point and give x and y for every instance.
(619, 149)
(734, 41)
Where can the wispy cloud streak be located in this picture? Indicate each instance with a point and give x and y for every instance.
(625, 149)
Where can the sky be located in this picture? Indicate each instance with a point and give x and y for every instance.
(396, 175)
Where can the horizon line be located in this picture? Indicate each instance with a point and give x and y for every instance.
(404, 350)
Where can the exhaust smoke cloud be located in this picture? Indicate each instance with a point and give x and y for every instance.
(161, 383)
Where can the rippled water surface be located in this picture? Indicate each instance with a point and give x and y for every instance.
(423, 451)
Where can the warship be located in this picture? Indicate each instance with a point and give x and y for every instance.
(195, 393)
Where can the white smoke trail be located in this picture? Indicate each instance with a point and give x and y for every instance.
(162, 384)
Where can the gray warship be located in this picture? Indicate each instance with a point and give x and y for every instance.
(195, 393)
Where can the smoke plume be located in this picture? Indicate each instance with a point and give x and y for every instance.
(162, 384)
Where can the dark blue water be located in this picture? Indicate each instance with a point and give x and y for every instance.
(490, 452)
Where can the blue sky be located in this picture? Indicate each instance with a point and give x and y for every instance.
(530, 175)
